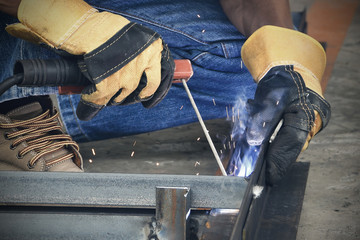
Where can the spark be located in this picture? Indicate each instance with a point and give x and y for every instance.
(90, 160)
(197, 174)
(220, 151)
(197, 163)
(198, 139)
(214, 102)
(234, 145)
(241, 64)
(203, 31)
(229, 145)
(134, 143)
(277, 103)
(264, 124)
(93, 151)
(227, 113)
(181, 107)
(224, 146)
(198, 16)
(157, 164)
(132, 153)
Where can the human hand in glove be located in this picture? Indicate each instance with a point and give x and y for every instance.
(287, 66)
(125, 61)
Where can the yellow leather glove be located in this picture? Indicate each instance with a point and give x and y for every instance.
(287, 66)
(125, 61)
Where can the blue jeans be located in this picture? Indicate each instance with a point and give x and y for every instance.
(195, 30)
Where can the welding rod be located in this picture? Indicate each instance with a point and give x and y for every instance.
(206, 132)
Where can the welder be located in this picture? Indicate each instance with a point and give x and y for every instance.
(126, 49)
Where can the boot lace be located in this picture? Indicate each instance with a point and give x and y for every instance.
(42, 134)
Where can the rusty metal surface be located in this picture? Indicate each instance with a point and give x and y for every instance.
(115, 190)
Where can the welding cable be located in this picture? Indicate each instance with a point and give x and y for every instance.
(11, 81)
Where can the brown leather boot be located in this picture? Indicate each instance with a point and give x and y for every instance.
(31, 138)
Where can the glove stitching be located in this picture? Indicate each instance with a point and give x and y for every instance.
(281, 63)
(312, 120)
(76, 26)
(287, 69)
(139, 50)
(117, 39)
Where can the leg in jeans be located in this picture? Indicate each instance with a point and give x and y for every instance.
(198, 31)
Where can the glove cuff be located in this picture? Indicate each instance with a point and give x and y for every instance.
(272, 46)
(55, 20)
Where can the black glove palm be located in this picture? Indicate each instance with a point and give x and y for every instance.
(282, 95)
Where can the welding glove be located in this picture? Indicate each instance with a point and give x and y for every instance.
(287, 66)
(125, 62)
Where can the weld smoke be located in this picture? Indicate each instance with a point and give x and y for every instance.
(244, 156)
(247, 144)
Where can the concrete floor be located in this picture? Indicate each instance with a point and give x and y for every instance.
(331, 208)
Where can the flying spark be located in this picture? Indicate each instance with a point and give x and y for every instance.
(90, 161)
(157, 164)
(214, 102)
(93, 151)
(197, 163)
(198, 139)
(132, 153)
(134, 143)
(181, 107)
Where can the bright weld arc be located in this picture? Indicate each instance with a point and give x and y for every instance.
(206, 132)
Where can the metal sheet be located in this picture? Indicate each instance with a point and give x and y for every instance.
(172, 208)
(115, 190)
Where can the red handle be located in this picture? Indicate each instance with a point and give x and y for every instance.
(183, 70)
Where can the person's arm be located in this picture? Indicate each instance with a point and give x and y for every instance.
(9, 7)
(249, 15)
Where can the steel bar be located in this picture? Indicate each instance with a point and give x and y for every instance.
(67, 225)
(172, 208)
(115, 190)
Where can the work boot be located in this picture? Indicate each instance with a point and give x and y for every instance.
(32, 139)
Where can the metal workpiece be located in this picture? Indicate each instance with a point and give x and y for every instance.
(172, 212)
(115, 190)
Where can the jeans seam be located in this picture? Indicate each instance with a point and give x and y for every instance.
(226, 52)
(153, 23)
(198, 56)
